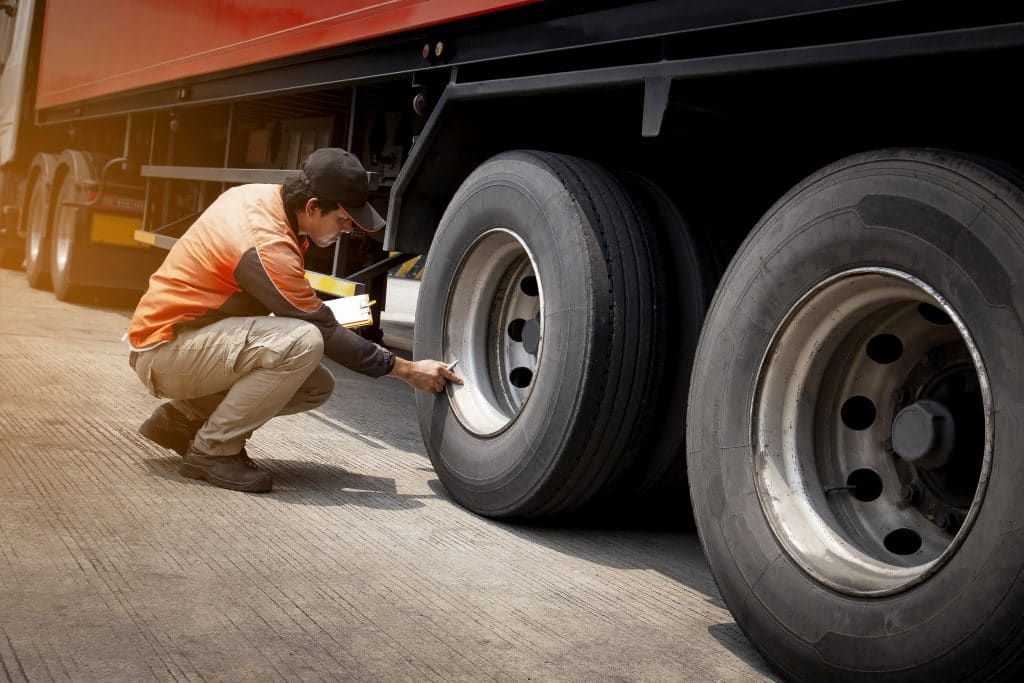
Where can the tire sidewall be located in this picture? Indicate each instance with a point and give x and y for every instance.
(819, 230)
(37, 269)
(62, 278)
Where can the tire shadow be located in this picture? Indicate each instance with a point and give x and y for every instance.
(121, 302)
(734, 640)
(656, 535)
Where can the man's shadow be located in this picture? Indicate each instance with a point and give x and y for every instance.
(302, 482)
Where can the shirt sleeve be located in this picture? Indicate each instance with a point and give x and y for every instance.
(272, 273)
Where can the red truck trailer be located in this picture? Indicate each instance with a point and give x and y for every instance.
(764, 255)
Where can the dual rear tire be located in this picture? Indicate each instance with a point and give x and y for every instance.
(851, 539)
(56, 225)
(548, 281)
(69, 237)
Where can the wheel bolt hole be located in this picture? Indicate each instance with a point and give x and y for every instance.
(885, 349)
(903, 542)
(529, 286)
(935, 316)
(858, 412)
(866, 484)
(515, 329)
(521, 377)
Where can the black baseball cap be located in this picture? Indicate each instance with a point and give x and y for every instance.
(337, 176)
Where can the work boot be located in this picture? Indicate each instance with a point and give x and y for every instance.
(236, 472)
(169, 427)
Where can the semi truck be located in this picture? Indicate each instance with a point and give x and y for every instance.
(757, 258)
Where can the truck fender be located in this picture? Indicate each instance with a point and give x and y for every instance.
(82, 166)
(415, 206)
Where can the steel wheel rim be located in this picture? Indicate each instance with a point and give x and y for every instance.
(832, 489)
(494, 326)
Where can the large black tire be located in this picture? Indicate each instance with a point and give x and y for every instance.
(37, 234)
(69, 237)
(690, 276)
(811, 345)
(548, 439)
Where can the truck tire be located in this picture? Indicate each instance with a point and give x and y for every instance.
(37, 234)
(854, 418)
(540, 282)
(690, 277)
(69, 231)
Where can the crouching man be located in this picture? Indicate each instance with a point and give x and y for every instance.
(201, 335)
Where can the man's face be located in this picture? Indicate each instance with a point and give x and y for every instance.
(324, 229)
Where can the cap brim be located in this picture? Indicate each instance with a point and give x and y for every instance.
(365, 217)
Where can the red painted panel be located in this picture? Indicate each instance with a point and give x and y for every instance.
(101, 47)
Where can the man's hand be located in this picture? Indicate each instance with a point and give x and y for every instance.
(426, 375)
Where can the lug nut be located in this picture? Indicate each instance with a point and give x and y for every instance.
(911, 494)
(951, 521)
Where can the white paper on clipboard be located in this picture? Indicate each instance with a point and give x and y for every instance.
(352, 311)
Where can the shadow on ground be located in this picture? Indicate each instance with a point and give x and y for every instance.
(121, 302)
(733, 639)
(637, 535)
(300, 482)
(656, 534)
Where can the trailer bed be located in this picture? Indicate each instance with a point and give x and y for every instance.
(130, 45)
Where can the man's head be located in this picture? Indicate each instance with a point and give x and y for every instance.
(329, 195)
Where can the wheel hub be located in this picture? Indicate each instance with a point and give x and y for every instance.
(923, 434)
(872, 432)
(494, 326)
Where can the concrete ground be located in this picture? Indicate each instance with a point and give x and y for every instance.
(357, 566)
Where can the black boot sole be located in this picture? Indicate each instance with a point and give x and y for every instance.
(193, 472)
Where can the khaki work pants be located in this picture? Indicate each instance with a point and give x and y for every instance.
(236, 374)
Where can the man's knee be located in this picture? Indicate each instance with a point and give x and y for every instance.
(304, 346)
(314, 392)
(310, 339)
(319, 386)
